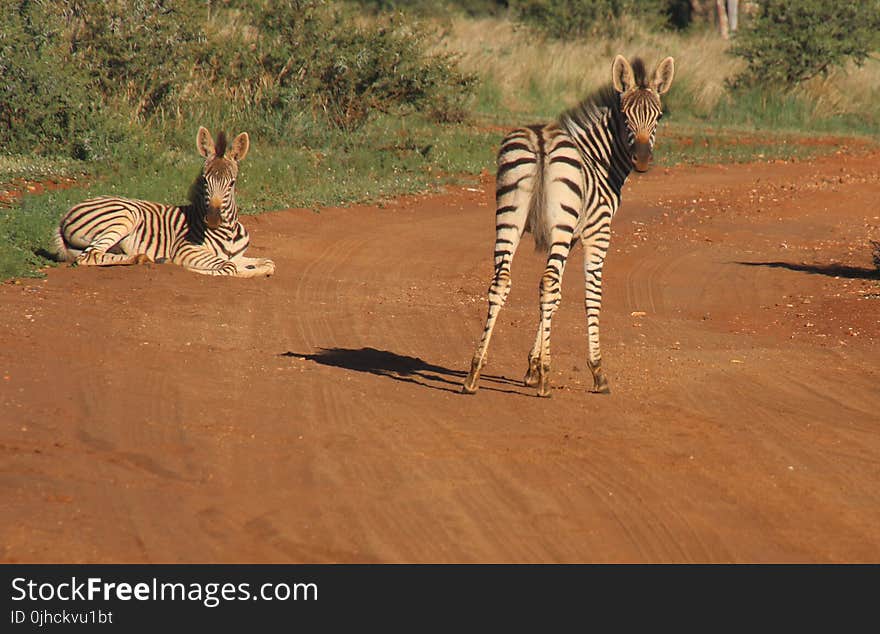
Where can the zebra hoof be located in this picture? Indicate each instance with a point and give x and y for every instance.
(161, 260)
(533, 376)
(601, 387)
(544, 389)
(468, 390)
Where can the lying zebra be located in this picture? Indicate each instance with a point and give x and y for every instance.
(204, 236)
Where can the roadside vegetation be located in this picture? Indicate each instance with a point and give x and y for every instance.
(363, 100)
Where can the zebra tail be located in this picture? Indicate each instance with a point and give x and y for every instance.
(537, 217)
(60, 250)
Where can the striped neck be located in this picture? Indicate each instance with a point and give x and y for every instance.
(198, 229)
(228, 213)
(598, 128)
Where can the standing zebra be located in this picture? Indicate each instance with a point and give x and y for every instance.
(204, 236)
(562, 181)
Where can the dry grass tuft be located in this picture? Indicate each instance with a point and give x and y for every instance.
(538, 75)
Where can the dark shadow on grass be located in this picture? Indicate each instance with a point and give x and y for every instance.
(47, 255)
(832, 270)
(400, 368)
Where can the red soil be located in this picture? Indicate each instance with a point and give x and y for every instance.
(150, 414)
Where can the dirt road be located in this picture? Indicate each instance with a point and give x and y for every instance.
(148, 414)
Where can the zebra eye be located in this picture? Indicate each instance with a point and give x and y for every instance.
(232, 183)
(659, 116)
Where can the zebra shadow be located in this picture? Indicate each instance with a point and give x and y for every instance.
(401, 368)
(832, 270)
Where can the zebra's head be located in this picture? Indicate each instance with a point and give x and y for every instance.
(218, 176)
(640, 104)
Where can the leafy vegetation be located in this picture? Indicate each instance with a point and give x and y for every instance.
(582, 18)
(45, 107)
(792, 41)
(281, 69)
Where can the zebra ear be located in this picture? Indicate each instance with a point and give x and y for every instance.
(622, 74)
(240, 147)
(663, 76)
(205, 144)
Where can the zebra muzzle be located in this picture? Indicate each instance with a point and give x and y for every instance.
(212, 218)
(642, 156)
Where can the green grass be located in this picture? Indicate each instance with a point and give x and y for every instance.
(701, 144)
(35, 168)
(389, 158)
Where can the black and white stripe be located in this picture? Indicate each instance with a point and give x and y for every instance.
(204, 236)
(562, 182)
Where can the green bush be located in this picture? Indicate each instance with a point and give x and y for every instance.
(472, 8)
(345, 71)
(581, 18)
(277, 68)
(45, 107)
(139, 50)
(791, 41)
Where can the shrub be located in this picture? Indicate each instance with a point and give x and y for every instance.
(45, 107)
(791, 41)
(346, 71)
(267, 65)
(140, 50)
(581, 18)
(473, 8)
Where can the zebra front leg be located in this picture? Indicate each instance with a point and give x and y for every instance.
(595, 242)
(204, 261)
(253, 267)
(551, 296)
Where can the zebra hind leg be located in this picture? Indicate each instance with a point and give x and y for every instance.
(595, 245)
(498, 292)
(531, 378)
(509, 228)
(97, 253)
(517, 178)
(93, 257)
(551, 295)
(600, 381)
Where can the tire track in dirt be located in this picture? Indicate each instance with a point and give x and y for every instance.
(314, 416)
(501, 485)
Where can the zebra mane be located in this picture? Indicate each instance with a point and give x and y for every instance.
(603, 100)
(641, 76)
(220, 145)
(592, 109)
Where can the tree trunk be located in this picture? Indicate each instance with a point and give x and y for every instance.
(733, 15)
(722, 18)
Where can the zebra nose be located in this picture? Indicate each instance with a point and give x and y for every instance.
(642, 156)
(212, 218)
